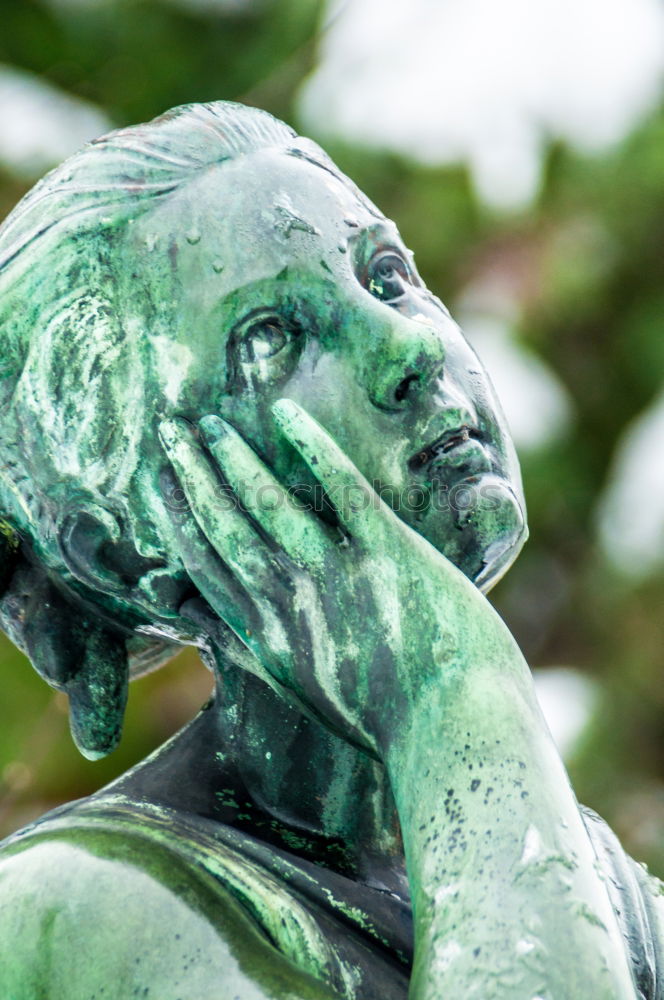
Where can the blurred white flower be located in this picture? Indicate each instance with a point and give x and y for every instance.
(631, 511)
(567, 699)
(487, 83)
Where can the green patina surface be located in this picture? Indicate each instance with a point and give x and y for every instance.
(234, 416)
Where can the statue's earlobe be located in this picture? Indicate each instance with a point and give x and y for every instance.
(87, 660)
(72, 651)
(98, 693)
(74, 648)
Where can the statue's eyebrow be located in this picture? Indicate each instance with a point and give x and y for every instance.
(383, 229)
(323, 163)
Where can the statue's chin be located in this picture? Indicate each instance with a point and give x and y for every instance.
(479, 525)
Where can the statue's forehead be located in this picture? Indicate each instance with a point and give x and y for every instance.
(281, 192)
(250, 218)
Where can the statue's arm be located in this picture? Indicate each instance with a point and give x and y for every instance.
(508, 897)
(77, 923)
(393, 646)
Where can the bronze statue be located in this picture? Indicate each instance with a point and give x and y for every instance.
(233, 416)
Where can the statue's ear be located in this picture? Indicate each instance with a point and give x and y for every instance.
(92, 547)
(100, 553)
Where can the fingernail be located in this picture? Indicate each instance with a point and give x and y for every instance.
(168, 431)
(175, 430)
(285, 410)
(212, 429)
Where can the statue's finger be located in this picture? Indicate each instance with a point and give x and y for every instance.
(213, 630)
(209, 573)
(214, 509)
(238, 626)
(295, 530)
(226, 648)
(351, 495)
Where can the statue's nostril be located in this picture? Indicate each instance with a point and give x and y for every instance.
(403, 388)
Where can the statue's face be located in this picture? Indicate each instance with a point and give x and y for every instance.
(289, 283)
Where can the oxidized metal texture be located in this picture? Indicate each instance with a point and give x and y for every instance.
(234, 416)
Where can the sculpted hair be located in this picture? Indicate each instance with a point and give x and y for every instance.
(63, 343)
(75, 376)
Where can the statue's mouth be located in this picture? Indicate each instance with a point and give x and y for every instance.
(450, 440)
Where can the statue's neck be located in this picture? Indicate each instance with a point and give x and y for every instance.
(256, 762)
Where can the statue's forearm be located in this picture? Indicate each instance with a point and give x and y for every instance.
(507, 899)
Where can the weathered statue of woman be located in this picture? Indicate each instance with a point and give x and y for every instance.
(233, 416)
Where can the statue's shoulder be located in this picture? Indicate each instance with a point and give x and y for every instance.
(93, 908)
(76, 917)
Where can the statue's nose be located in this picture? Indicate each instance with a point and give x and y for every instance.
(411, 357)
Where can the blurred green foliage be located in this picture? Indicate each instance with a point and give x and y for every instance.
(587, 265)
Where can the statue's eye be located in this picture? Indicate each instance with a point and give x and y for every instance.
(265, 345)
(388, 275)
(266, 337)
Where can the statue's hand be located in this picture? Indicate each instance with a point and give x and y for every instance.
(357, 621)
(382, 637)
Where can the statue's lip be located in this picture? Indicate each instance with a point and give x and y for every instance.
(447, 441)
